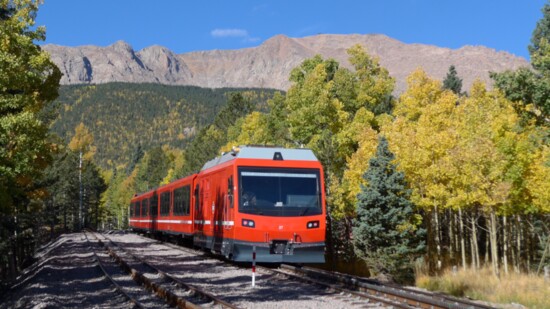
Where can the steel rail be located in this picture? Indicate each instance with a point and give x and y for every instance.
(408, 296)
(461, 303)
(119, 288)
(194, 290)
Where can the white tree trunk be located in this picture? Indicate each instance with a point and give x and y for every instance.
(519, 236)
(493, 243)
(437, 238)
(462, 248)
(505, 241)
(451, 235)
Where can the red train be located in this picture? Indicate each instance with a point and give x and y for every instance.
(270, 198)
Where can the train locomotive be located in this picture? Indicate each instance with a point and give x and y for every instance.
(268, 199)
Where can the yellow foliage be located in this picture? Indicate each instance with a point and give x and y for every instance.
(422, 91)
(82, 141)
(539, 180)
(459, 152)
(252, 131)
(168, 177)
(422, 137)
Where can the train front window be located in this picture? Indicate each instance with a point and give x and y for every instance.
(282, 192)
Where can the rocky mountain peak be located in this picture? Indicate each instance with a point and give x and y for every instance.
(269, 65)
(121, 47)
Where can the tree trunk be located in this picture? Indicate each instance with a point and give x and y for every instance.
(543, 258)
(449, 215)
(505, 243)
(475, 246)
(493, 242)
(513, 240)
(518, 244)
(462, 248)
(437, 239)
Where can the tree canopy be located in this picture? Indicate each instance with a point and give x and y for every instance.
(386, 232)
(29, 81)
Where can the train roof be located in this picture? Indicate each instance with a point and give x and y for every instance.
(263, 153)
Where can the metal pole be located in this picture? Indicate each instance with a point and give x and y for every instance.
(80, 193)
(253, 266)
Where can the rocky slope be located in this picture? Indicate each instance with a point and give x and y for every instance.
(269, 65)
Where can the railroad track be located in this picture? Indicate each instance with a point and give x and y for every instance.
(118, 287)
(351, 289)
(167, 287)
(352, 293)
(362, 288)
(406, 297)
(330, 293)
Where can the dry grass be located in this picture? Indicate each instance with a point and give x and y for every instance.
(528, 290)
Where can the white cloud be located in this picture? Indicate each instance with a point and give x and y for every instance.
(223, 33)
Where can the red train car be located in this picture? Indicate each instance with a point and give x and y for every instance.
(268, 198)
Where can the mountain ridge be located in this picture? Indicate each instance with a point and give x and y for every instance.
(269, 64)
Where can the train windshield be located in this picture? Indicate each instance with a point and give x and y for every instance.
(281, 192)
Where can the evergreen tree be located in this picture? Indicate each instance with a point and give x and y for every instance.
(452, 81)
(528, 89)
(152, 169)
(542, 30)
(206, 145)
(386, 233)
(134, 160)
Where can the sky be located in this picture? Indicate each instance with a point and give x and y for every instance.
(191, 25)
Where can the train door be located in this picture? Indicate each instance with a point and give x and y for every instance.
(218, 211)
(228, 209)
(154, 212)
(198, 220)
(208, 209)
(229, 218)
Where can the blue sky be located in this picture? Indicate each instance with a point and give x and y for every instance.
(185, 25)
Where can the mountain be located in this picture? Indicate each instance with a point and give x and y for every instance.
(269, 65)
(122, 116)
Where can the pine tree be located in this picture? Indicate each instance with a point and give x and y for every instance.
(134, 160)
(452, 81)
(542, 30)
(386, 232)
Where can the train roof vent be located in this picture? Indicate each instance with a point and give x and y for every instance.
(276, 153)
(277, 156)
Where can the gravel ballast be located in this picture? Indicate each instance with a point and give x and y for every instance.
(66, 275)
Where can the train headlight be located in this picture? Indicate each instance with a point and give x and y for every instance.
(248, 223)
(313, 224)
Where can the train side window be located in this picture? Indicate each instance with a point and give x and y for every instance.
(164, 203)
(154, 205)
(230, 191)
(131, 209)
(171, 202)
(138, 205)
(145, 207)
(181, 201)
(178, 211)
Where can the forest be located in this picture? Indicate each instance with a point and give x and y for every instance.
(123, 116)
(430, 178)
